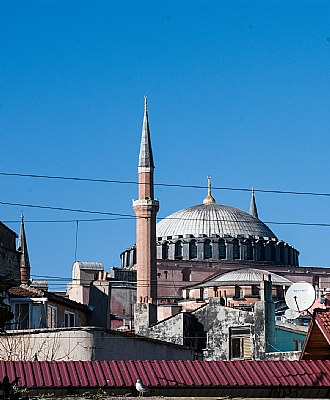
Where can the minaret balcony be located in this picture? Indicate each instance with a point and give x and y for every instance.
(145, 202)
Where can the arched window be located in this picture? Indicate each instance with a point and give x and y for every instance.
(289, 256)
(165, 250)
(222, 249)
(272, 252)
(235, 250)
(192, 249)
(128, 254)
(261, 251)
(281, 253)
(178, 250)
(186, 272)
(207, 249)
(249, 251)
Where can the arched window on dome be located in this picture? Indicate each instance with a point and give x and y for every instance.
(192, 249)
(281, 253)
(128, 256)
(235, 249)
(289, 255)
(178, 250)
(272, 252)
(207, 249)
(261, 252)
(222, 249)
(165, 247)
(249, 251)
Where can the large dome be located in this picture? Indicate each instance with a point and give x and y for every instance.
(211, 219)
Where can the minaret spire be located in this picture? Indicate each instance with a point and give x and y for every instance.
(146, 208)
(24, 255)
(145, 157)
(253, 206)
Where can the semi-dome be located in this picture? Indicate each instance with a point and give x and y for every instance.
(212, 219)
(245, 276)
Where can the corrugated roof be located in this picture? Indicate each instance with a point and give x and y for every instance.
(164, 374)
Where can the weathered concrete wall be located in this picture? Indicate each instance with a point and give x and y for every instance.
(100, 295)
(169, 330)
(283, 355)
(217, 320)
(86, 344)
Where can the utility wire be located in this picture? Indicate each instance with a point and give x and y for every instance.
(65, 209)
(131, 216)
(292, 192)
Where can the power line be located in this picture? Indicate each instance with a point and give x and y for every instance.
(65, 209)
(133, 217)
(98, 180)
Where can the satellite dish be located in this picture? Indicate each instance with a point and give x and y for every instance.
(291, 314)
(300, 296)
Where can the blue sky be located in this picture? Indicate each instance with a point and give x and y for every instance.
(238, 90)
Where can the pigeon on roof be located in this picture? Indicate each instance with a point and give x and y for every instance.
(141, 388)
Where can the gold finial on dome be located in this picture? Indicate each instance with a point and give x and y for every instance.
(209, 199)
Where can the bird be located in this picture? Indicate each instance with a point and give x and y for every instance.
(141, 388)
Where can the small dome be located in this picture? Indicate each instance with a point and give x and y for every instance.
(245, 276)
(211, 219)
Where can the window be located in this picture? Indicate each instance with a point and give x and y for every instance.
(281, 253)
(222, 249)
(239, 293)
(192, 249)
(178, 250)
(240, 343)
(52, 317)
(235, 250)
(255, 290)
(127, 258)
(272, 252)
(261, 251)
(165, 251)
(186, 274)
(69, 319)
(249, 251)
(207, 249)
(297, 345)
(22, 315)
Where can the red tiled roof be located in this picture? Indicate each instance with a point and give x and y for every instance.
(165, 377)
(21, 291)
(322, 318)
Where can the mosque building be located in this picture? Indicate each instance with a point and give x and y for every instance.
(196, 243)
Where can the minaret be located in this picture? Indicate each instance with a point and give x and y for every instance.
(146, 208)
(253, 207)
(24, 255)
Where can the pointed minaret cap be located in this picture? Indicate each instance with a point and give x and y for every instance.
(209, 199)
(145, 157)
(24, 255)
(253, 207)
